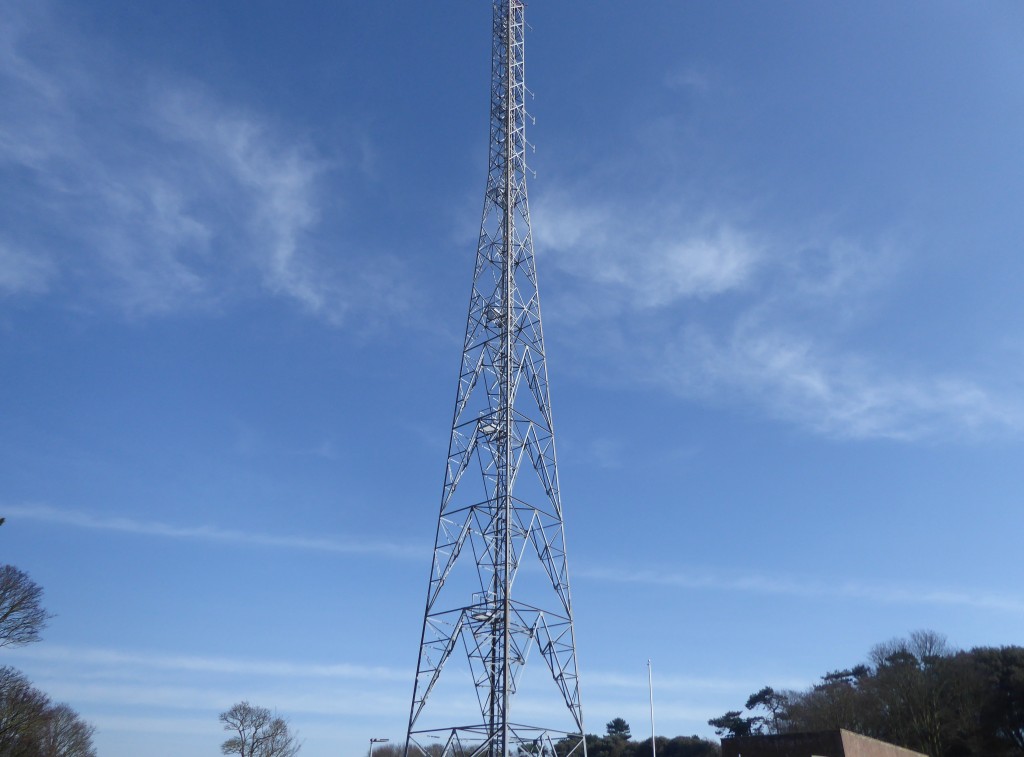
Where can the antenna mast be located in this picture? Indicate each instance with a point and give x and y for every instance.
(500, 505)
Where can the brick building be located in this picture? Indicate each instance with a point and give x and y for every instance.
(839, 743)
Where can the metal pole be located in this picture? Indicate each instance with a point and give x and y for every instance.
(375, 741)
(508, 286)
(650, 685)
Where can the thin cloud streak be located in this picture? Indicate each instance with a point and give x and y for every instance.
(97, 676)
(773, 586)
(131, 679)
(796, 378)
(598, 680)
(153, 725)
(192, 663)
(321, 702)
(78, 519)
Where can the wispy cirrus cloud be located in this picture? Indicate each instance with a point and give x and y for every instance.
(134, 660)
(644, 260)
(799, 378)
(721, 310)
(155, 195)
(681, 683)
(803, 587)
(762, 584)
(140, 678)
(24, 273)
(155, 692)
(78, 519)
(690, 78)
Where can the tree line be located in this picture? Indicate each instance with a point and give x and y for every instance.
(617, 742)
(919, 693)
(30, 724)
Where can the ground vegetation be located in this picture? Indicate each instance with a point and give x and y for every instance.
(916, 692)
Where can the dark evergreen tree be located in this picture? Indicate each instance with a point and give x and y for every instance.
(618, 727)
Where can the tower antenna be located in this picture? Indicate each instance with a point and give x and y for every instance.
(501, 506)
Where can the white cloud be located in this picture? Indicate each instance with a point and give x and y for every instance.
(809, 588)
(115, 660)
(22, 272)
(713, 309)
(144, 682)
(158, 725)
(644, 259)
(155, 693)
(674, 683)
(78, 519)
(160, 196)
(162, 695)
(698, 266)
(137, 682)
(795, 377)
(601, 452)
(835, 271)
(689, 79)
(277, 180)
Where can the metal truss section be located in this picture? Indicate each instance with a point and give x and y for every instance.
(475, 741)
(499, 584)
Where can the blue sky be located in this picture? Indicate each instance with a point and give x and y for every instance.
(779, 249)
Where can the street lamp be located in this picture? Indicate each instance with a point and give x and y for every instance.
(375, 741)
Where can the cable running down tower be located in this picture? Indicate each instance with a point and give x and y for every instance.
(499, 584)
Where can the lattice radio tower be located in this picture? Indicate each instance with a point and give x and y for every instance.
(499, 584)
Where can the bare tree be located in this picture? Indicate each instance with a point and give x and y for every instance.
(258, 733)
(32, 727)
(23, 711)
(279, 740)
(22, 616)
(247, 722)
(910, 685)
(65, 734)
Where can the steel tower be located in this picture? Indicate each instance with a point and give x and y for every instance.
(499, 584)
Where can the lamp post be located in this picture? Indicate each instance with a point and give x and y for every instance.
(650, 684)
(375, 741)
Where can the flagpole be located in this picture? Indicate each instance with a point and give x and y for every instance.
(650, 685)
